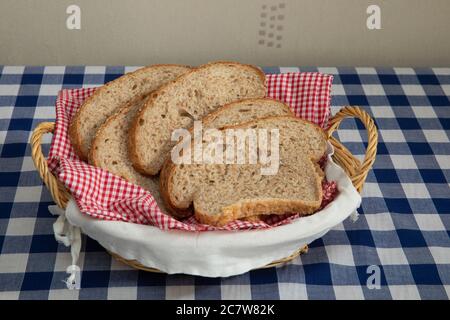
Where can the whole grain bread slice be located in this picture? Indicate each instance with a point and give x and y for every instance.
(221, 193)
(107, 99)
(232, 114)
(191, 97)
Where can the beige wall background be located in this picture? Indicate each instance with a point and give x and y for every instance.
(139, 32)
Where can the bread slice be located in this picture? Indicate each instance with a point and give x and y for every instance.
(233, 114)
(221, 193)
(112, 96)
(191, 97)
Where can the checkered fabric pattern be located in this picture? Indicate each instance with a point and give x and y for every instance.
(403, 230)
(105, 196)
(307, 93)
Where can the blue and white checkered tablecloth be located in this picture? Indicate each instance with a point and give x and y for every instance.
(404, 226)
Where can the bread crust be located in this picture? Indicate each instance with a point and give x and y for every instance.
(74, 137)
(163, 190)
(74, 127)
(247, 208)
(211, 116)
(132, 145)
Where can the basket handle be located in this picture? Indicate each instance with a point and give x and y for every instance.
(357, 171)
(58, 191)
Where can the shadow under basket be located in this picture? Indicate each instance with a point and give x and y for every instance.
(356, 170)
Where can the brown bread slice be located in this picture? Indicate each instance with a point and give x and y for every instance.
(191, 97)
(221, 193)
(232, 114)
(109, 147)
(112, 96)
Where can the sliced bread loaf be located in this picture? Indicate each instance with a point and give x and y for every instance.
(221, 193)
(109, 98)
(191, 97)
(233, 114)
(109, 146)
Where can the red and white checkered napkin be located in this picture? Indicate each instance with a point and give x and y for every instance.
(103, 195)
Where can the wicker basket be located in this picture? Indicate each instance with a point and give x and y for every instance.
(356, 170)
